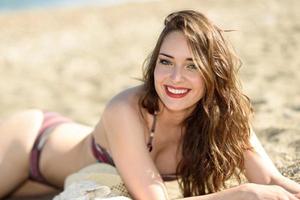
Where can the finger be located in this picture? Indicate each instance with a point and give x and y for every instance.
(291, 196)
(297, 195)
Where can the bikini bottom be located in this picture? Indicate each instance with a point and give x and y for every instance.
(50, 122)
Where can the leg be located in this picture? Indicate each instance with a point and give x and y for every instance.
(31, 188)
(17, 135)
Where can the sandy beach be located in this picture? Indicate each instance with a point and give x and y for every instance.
(73, 60)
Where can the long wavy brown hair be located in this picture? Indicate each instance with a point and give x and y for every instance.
(217, 131)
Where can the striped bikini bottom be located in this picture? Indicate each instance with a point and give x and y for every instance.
(50, 122)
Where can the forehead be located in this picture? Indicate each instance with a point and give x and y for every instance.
(176, 45)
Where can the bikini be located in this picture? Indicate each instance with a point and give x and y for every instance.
(50, 122)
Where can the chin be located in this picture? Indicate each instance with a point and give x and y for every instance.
(177, 108)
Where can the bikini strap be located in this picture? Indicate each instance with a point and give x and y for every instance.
(152, 131)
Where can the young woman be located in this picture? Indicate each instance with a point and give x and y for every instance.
(188, 121)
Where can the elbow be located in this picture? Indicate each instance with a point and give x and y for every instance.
(277, 179)
(263, 178)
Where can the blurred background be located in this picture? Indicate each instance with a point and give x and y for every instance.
(73, 56)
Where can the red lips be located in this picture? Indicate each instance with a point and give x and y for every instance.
(176, 95)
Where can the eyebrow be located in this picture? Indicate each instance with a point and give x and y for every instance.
(169, 56)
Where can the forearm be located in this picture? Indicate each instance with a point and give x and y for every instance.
(286, 183)
(235, 193)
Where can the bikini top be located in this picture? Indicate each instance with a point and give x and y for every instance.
(103, 156)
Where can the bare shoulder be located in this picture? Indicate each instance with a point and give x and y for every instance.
(120, 117)
(126, 102)
(123, 111)
(125, 132)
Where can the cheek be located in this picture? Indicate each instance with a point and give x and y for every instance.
(199, 82)
(158, 75)
(157, 79)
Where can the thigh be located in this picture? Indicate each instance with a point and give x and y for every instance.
(32, 188)
(17, 135)
(21, 128)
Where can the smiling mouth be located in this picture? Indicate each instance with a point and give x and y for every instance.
(176, 92)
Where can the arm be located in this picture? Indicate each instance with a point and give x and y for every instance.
(125, 134)
(127, 145)
(261, 171)
(235, 193)
(260, 168)
(249, 191)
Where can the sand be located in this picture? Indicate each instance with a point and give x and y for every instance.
(73, 60)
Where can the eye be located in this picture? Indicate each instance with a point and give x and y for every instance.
(164, 62)
(192, 67)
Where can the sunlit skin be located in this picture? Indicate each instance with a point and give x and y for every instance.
(178, 81)
(124, 129)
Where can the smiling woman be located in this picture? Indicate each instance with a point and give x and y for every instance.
(194, 72)
(178, 82)
(188, 120)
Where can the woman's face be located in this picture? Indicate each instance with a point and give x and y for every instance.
(177, 80)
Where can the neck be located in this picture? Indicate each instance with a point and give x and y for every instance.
(173, 118)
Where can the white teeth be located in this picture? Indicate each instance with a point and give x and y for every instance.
(176, 91)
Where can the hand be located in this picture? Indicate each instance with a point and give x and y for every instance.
(268, 192)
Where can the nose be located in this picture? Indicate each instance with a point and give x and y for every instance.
(176, 74)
